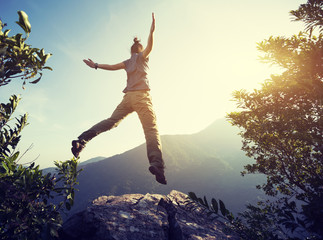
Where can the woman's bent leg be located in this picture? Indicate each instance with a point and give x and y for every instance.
(122, 110)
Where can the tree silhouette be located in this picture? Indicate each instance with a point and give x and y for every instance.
(282, 129)
(26, 210)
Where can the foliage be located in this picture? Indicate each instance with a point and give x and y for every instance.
(282, 127)
(25, 195)
(18, 59)
(9, 137)
(311, 13)
(202, 206)
(212, 209)
(26, 207)
(257, 222)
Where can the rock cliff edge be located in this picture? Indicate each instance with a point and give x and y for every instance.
(141, 217)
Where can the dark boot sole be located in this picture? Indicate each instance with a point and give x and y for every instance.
(76, 148)
(158, 174)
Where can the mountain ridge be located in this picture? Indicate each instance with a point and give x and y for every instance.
(208, 163)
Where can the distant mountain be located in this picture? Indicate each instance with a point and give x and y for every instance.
(92, 160)
(207, 163)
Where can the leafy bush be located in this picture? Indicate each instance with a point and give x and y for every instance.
(18, 59)
(26, 207)
(282, 129)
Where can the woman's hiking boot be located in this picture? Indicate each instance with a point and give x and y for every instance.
(159, 174)
(77, 147)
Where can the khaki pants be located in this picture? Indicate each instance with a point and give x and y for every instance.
(140, 102)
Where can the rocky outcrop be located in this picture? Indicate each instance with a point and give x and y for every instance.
(141, 217)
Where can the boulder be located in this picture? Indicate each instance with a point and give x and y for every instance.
(143, 217)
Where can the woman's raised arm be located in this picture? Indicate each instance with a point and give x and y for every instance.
(150, 42)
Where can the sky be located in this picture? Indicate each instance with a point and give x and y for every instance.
(203, 52)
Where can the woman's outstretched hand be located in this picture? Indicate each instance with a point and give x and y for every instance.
(152, 28)
(89, 62)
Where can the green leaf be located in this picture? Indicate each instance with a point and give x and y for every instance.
(206, 204)
(32, 165)
(215, 205)
(222, 208)
(49, 68)
(37, 80)
(18, 37)
(6, 32)
(44, 60)
(68, 205)
(192, 196)
(24, 22)
(4, 165)
(200, 200)
(15, 156)
(69, 196)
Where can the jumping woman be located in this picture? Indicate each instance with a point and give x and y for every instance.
(136, 98)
